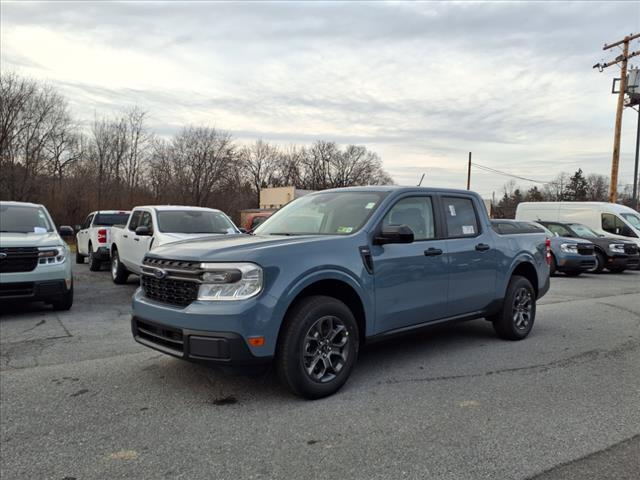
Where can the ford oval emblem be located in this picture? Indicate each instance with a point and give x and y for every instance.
(159, 273)
(3, 255)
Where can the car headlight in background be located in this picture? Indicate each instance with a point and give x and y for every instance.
(51, 255)
(569, 247)
(616, 247)
(230, 281)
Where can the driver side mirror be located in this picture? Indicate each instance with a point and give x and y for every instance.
(66, 231)
(143, 231)
(394, 234)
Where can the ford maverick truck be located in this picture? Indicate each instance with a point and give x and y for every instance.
(331, 271)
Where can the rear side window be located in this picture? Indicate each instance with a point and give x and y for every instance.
(461, 217)
(135, 220)
(416, 213)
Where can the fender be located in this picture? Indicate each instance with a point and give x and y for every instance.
(333, 272)
(522, 257)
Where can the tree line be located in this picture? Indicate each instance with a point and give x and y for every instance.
(47, 157)
(570, 188)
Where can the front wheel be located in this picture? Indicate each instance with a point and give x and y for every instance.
(64, 301)
(119, 273)
(617, 269)
(318, 347)
(79, 257)
(573, 273)
(94, 263)
(600, 263)
(515, 320)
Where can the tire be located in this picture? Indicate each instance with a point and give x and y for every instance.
(573, 273)
(617, 269)
(316, 325)
(119, 273)
(64, 301)
(94, 263)
(79, 256)
(600, 263)
(509, 324)
(553, 267)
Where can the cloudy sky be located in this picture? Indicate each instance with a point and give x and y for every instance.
(422, 84)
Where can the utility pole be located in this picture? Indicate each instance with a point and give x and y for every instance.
(623, 60)
(469, 173)
(635, 168)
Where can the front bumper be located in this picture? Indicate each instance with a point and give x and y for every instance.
(627, 261)
(217, 348)
(33, 291)
(575, 263)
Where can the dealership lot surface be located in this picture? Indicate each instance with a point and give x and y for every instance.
(80, 399)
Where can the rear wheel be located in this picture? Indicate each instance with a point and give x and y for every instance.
(64, 301)
(94, 263)
(318, 347)
(515, 320)
(119, 273)
(553, 266)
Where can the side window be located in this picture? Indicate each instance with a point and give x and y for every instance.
(559, 230)
(461, 217)
(87, 222)
(612, 224)
(135, 220)
(146, 221)
(416, 213)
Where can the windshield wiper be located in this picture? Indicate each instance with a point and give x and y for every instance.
(286, 234)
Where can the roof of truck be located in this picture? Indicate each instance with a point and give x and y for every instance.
(396, 188)
(178, 207)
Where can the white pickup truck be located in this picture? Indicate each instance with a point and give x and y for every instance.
(93, 237)
(152, 226)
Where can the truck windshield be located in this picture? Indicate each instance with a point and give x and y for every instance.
(583, 230)
(633, 219)
(110, 219)
(194, 221)
(24, 219)
(330, 213)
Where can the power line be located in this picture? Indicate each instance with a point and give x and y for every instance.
(500, 172)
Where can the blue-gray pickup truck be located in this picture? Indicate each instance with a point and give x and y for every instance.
(331, 271)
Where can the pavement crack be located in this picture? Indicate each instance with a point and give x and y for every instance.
(41, 322)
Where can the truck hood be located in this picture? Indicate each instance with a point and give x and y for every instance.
(230, 247)
(13, 239)
(163, 238)
(559, 240)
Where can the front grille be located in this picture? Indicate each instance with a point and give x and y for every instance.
(169, 290)
(585, 249)
(587, 263)
(171, 264)
(160, 335)
(630, 249)
(18, 259)
(22, 289)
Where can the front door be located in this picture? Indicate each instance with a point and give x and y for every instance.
(411, 280)
(141, 242)
(472, 257)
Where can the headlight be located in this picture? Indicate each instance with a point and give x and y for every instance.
(230, 281)
(51, 255)
(616, 247)
(569, 247)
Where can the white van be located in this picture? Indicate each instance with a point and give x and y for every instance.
(609, 219)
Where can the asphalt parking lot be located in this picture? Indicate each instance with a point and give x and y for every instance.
(81, 400)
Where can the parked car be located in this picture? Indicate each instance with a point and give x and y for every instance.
(93, 239)
(570, 256)
(614, 254)
(332, 270)
(152, 226)
(34, 257)
(609, 219)
(254, 219)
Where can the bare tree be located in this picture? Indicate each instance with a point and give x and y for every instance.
(260, 161)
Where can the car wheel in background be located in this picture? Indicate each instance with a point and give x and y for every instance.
(94, 263)
(553, 266)
(79, 257)
(617, 269)
(600, 263)
(64, 301)
(318, 347)
(119, 273)
(515, 320)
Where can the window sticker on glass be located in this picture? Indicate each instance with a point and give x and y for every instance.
(39, 230)
(370, 205)
(452, 210)
(468, 230)
(345, 229)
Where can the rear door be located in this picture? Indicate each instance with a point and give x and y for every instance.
(82, 238)
(473, 259)
(411, 280)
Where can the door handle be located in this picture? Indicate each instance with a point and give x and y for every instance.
(432, 252)
(137, 239)
(482, 247)
(125, 236)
